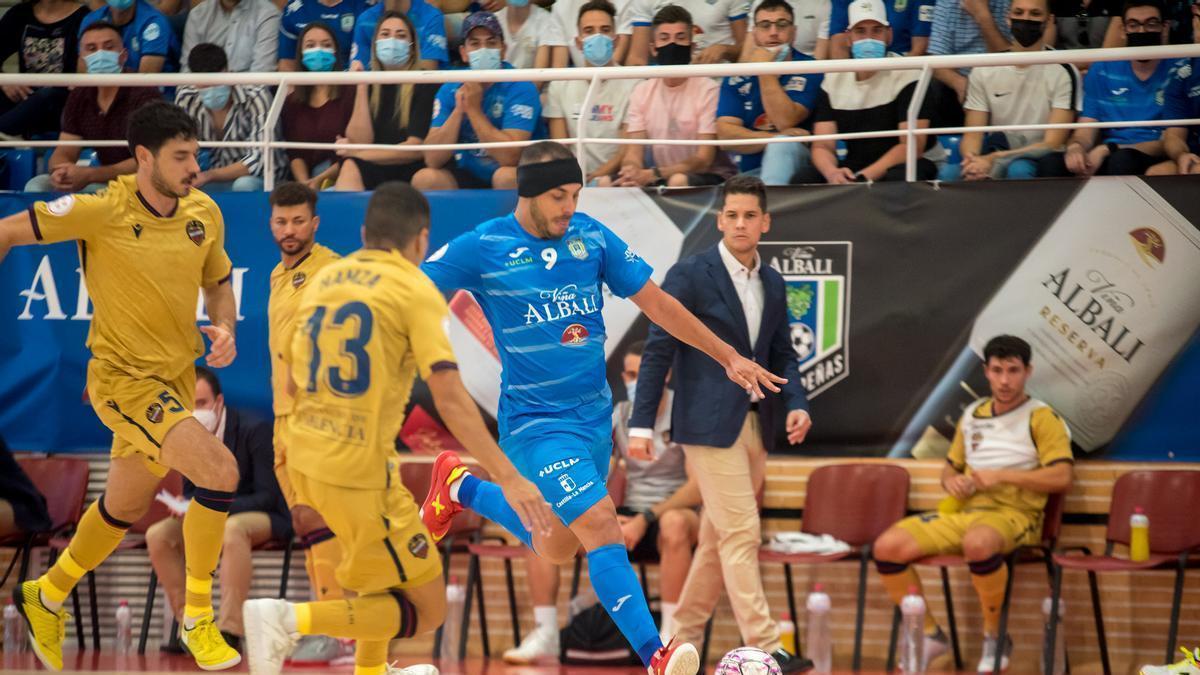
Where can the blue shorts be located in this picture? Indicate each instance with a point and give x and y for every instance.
(567, 462)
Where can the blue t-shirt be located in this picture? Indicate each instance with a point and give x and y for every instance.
(543, 299)
(340, 17)
(508, 105)
(147, 34)
(428, 21)
(1113, 93)
(1182, 99)
(741, 98)
(908, 18)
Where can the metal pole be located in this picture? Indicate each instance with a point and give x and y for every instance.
(580, 130)
(268, 144)
(914, 107)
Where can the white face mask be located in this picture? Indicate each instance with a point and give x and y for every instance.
(207, 418)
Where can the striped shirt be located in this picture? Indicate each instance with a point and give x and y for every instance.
(955, 32)
(244, 122)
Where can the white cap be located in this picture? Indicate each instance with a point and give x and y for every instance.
(867, 10)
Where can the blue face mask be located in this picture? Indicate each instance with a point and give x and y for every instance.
(631, 390)
(215, 98)
(869, 48)
(318, 59)
(120, 5)
(783, 53)
(598, 49)
(484, 58)
(393, 51)
(103, 62)
(519, 3)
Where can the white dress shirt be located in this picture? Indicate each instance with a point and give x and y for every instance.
(749, 287)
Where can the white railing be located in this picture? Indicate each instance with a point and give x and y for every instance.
(925, 64)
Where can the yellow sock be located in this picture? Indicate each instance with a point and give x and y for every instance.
(203, 533)
(990, 588)
(370, 657)
(322, 561)
(377, 617)
(897, 583)
(95, 539)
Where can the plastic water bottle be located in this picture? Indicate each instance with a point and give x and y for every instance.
(1139, 535)
(820, 648)
(1060, 643)
(124, 628)
(787, 632)
(14, 629)
(456, 597)
(912, 633)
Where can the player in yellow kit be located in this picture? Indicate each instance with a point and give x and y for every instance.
(366, 326)
(148, 244)
(294, 223)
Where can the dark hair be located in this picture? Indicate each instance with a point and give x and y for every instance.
(157, 122)
(544, 151)
(210, 377)
(301, 92)
(292, 193)
(597, 6)
(743, 184)
(1007, 346)
(98, 25)
(636, 348)
(771, 5)
(671, 14)
(396, 214)
(207, 58)
(1131, 4)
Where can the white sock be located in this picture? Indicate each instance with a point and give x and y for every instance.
(546, 617)
(456, 485)
(668, 617)
(52, 606)
(289, 620)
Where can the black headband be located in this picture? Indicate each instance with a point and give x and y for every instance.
(536, 179)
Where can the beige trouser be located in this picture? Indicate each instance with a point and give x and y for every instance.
(243, 531)
(730, 536)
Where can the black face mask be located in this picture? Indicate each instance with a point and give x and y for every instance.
(1027, 32)
(674, 55)
(1143, 39)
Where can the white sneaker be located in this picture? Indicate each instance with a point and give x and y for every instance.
(936, 645)
(1190, 665)
(542, 643)
(267, 642)
(988, 660)
(422, 669)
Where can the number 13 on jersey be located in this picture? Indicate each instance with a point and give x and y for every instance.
(338, 357)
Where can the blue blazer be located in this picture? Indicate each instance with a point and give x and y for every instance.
(708, 408)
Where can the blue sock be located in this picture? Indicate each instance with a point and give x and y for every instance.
(617, 586)
(487, 499)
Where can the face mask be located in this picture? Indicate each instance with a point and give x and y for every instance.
(519, 3)
(674, 55)
(484, 58)
(1027, 32)
(318, 59)
(207, 419)
(392, 51)
(103, 62)
(598, 49)
(120, 5)
(215, 98)
(1143, 39)
(631, 390)
(869, 48)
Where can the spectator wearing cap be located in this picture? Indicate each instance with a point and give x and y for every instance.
(765, 107)
(479, 112)
(911, 22)
(1018, 95)
(429, 36)
(317, 113)
(677, 108)
(229, 113)
(534, 37)
(248, 31)
(151, 45)
(340, 15)
(1121, 91)
(1182, 101)
(720, 28)
(867, 101)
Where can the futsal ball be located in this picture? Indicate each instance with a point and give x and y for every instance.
(748, 661)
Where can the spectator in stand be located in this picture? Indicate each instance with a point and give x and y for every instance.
(471, 112)
(22, 507)
(1082, 24)
(45, 36)
(151, 45)
(963, 27)
(534, 37)
(672, 108)
(1182, 101)
(340, 15)
(228, 113)
(811, 21)
(609, 102)
(1012, 95)
(392, 114)
(248, 31)
(867, 101)
(911, 22)
(94, 114)
(430, 32)
(1177, 14)
(1120, 91)
(765, 107)
(720, 28)
(316, 114)
(567, 12)
(258, 513)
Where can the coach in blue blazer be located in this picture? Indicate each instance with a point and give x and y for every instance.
(726, 434)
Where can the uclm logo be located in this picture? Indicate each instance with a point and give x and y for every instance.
(1149, 245)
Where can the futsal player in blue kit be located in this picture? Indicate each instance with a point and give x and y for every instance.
(538, 275)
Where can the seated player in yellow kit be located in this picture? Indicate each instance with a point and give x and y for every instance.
(1009, 452)
(148, 244)
(366, 325)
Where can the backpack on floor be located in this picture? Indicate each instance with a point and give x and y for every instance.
(592, 639)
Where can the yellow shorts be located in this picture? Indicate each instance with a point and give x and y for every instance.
(281, 470)
(942, 533)
(384, 543)
(139, 410)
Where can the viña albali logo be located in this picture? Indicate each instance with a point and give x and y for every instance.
(817, 278)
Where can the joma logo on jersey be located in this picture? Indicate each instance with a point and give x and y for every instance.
(562, 303)
(817, 278)
(557, 466)
(519, 257)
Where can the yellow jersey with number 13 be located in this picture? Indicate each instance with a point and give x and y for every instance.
(287, 288)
